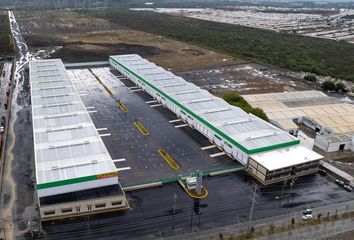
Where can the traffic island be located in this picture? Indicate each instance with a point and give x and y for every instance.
(192, 192)
(122, 107)
(141, 128)
(193, 185)
(168, 158)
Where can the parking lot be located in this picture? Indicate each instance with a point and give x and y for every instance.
(135, 153)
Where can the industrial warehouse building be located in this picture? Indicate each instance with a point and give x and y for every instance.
(275, 154)
(75, 174)
(331, 119)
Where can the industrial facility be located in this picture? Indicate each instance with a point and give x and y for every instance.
(330, 118)
(275, 154)
(75, 174)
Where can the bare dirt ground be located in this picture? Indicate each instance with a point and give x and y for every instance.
(74, 38)
(245, 78)
(88, 38)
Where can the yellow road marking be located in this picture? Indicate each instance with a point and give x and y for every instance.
(122, 107)
(168, 158)
(141, 128)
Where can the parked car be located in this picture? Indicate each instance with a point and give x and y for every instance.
(348, 188)
(307, 211)
(340, 182)
(307, 217)
(1, 129)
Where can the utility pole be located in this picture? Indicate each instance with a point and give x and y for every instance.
(291, 186)
(174, 202)
(252, 207)
(282, 192)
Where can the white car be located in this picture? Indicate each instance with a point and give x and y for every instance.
(307, 217)
(348, 188)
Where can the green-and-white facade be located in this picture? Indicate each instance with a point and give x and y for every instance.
(239, 134)
(70, 156)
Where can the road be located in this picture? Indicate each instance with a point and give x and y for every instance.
(151, 214)
(311, 232)
(18, 204)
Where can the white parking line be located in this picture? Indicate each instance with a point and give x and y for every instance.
(208, 147)
(102, 129)
(105, 135)
(138, 90)
(119, 160)
(183, 125)
(217, 154)
(93, 111)
(153, 101)
(90, 107)
(156, 105)
(124, 168)
(176, 120)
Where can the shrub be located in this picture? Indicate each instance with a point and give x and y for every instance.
(238, 101)
(310, 78)
(328, 86)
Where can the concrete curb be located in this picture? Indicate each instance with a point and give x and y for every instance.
(142, 186)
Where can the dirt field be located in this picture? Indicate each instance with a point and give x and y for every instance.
(245, 78)
(78, 38)
(91, 38)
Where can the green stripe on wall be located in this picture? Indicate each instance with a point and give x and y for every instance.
(216, 130)
(66, 182)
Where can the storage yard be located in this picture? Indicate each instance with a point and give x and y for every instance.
(331, 118)
(336, 24)
(146, 144)
(240, 135)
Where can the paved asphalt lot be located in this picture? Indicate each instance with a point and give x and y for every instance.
(151, 214)
(126, 141)
(228, 203)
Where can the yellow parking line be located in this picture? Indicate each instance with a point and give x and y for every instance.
(122, 107)
(168, 158)
(141, 128)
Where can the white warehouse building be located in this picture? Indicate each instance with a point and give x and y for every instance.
(75, 174)
(242, 136)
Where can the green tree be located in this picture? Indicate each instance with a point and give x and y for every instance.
(328, 86)
(340, 87)
(238, 101)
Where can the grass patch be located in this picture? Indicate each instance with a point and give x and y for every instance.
(5, 35)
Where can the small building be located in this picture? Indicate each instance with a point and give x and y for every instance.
(283, 164)
(75, 174)
(333, 142)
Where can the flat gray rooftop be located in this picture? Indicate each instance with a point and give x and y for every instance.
(68, 148)
(140, 152)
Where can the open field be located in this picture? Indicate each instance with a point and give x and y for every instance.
(88, 38)
(321, 56)
(335, 24)
(5, 46)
